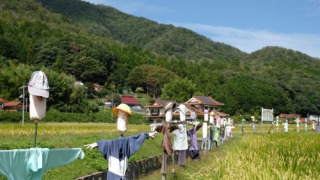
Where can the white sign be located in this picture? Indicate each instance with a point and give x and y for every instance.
(313, 117)
(266, 114)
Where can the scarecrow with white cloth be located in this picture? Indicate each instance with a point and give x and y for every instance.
(31, 164)
(180, 142)
(205, 130)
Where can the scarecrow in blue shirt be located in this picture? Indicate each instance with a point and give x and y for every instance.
(118, 151)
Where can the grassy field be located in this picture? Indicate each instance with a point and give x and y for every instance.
(252, 156)
(73, 135)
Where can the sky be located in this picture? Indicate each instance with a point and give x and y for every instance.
(248, 25)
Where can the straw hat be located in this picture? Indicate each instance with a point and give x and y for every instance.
(122, 107)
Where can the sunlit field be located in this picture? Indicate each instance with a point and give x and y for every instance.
(279, 155)
(262, 155)
(73, 135)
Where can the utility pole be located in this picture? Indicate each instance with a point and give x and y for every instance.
(23, 102)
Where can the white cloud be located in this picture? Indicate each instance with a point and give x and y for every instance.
(249, 40)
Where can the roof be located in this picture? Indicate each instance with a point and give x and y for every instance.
(221, 114)
(130, 100)
(97, 86)
(289, 115)
(159, 103)
(204, 100)
(199, 112)
(2, 100)
(190, 109)
(12, 104)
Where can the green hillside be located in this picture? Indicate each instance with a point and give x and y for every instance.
(75, 40)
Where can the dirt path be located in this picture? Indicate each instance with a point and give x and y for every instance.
(192, 166)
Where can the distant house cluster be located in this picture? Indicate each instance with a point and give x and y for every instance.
(11, 105)
(131, 101)
(97, 87)
(197, 104)
(293, 117)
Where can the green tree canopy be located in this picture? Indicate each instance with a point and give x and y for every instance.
(180, 90)
(151, 78)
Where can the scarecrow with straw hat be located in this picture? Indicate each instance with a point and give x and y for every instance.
(253, 124)
(118, 151)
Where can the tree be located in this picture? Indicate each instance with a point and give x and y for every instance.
(180, 90)
(151, 78)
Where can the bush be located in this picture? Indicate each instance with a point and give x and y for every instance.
(102, 115)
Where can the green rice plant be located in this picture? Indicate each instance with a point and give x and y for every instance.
(73, 135)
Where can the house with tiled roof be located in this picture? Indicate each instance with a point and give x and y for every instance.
(97, 87)
(202, 102)
(131, 101)
(2, 101)
(289, 115)
(155, 112)
(197, 104)
(12, 106)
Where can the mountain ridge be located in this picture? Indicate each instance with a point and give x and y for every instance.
(99, 44)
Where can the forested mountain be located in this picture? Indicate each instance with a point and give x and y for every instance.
(99, 44)
(161, 39)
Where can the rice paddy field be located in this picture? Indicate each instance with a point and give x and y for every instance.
(262, 155)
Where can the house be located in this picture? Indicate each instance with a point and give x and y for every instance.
(2, 101)
(202, 102)
(97, 87)
(13, 106)
(291, 116)
(155, 112)
(131, 101)
(196, 104)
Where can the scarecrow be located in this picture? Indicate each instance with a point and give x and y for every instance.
(222, 130)
(193, 148)
(313, 126)
(211, 128)
(31, 164)
(166, 145)
(205, 130)
(253, 124)
(118, 151)
(298, 124)
(216, 134)
(285, 126)
(180, 143)
(306, 125)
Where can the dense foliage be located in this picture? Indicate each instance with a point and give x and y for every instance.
(74, 40)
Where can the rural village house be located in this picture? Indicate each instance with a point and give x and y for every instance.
(196, 104)
(131, 101)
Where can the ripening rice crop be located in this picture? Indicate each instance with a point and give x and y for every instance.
(265, 156)
(11, 129)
